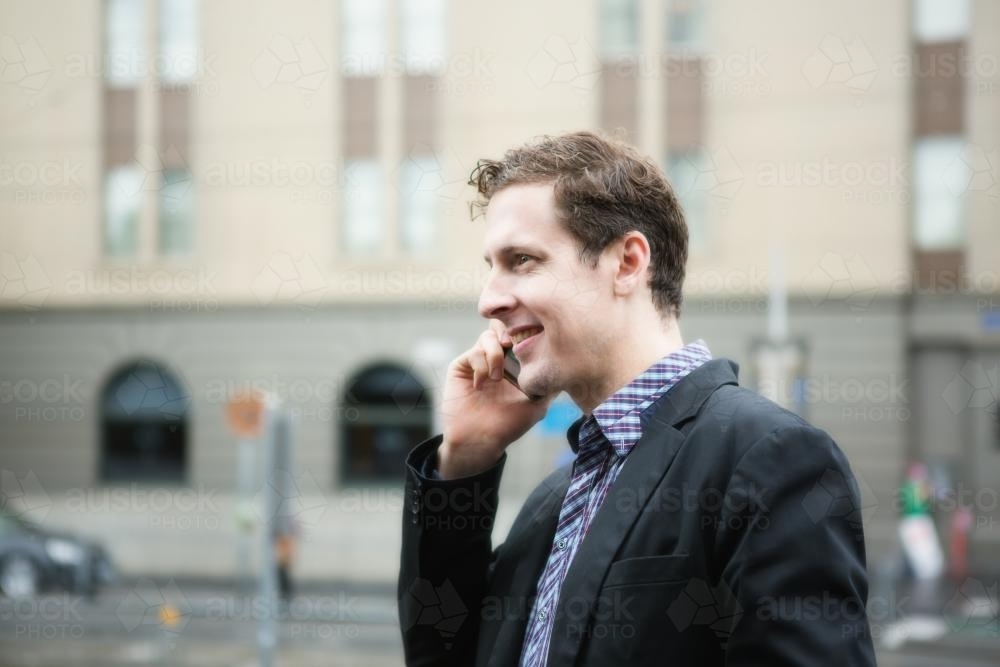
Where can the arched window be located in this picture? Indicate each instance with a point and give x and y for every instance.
(386, 412)
(144, 424)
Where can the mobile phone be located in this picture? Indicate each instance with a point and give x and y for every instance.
(512, 369)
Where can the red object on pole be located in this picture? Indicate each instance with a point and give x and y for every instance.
(958, 551)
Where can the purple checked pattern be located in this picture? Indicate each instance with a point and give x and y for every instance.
(605, 439)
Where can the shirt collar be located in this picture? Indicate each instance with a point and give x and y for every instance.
(617, 419)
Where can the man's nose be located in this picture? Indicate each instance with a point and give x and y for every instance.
(495, 299)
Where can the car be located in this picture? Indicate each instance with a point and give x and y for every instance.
(34, 560)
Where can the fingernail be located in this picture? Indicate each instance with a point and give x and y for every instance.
(496, 373)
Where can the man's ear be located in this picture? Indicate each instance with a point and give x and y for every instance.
(632, 256)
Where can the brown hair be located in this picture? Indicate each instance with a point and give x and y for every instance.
(603, 188)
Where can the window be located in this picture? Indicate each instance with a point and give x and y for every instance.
(940, 30)
(688, 162)
(121, 210)
(363, 215)
(940, 20)
(619, 83)
(176, 212)
(685, 24)
(178, 60)
(422, 39)
(124, 27)
(422, 31)
(363, 39)
(619, 28)
(420, 179)
(144, 425)
(131, 65)
(124, 31)
(683, 170)
(937, 208)
(391, 413)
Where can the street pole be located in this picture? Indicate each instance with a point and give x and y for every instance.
(245, 479)
(266, 631)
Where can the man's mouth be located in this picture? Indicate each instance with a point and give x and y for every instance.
(523, 335)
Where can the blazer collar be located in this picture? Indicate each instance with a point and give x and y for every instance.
(682, 401)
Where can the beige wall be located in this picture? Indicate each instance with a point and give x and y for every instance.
(762, 121)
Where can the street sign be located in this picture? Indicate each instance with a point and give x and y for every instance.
(245, 415)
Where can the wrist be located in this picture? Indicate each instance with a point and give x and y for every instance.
(454, 462)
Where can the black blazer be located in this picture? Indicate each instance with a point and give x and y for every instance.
(732, 536)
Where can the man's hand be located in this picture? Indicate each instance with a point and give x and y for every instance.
(482, 413)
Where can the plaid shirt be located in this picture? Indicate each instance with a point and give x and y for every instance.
(605, 439)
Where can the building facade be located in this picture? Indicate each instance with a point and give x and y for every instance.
(201, 199)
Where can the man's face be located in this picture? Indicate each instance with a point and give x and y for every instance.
(557, 309)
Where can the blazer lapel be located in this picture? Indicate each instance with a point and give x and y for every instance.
(527, 550)
(640, 475)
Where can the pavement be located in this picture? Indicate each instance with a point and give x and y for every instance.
(937, 622)
(153, 621)
(180, 622)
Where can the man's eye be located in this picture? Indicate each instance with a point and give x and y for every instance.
(521, 259)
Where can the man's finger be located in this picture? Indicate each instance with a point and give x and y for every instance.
(501, 331)
(490, 343)
(480, 368)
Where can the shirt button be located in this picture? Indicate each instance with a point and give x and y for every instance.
(542, 614)
(561, 544)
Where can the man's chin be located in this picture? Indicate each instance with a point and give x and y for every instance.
(527, 383)
(533, 385)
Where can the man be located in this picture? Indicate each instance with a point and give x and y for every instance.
(691, 529)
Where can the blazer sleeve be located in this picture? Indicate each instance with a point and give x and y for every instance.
(446, 558)
(791, 547)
